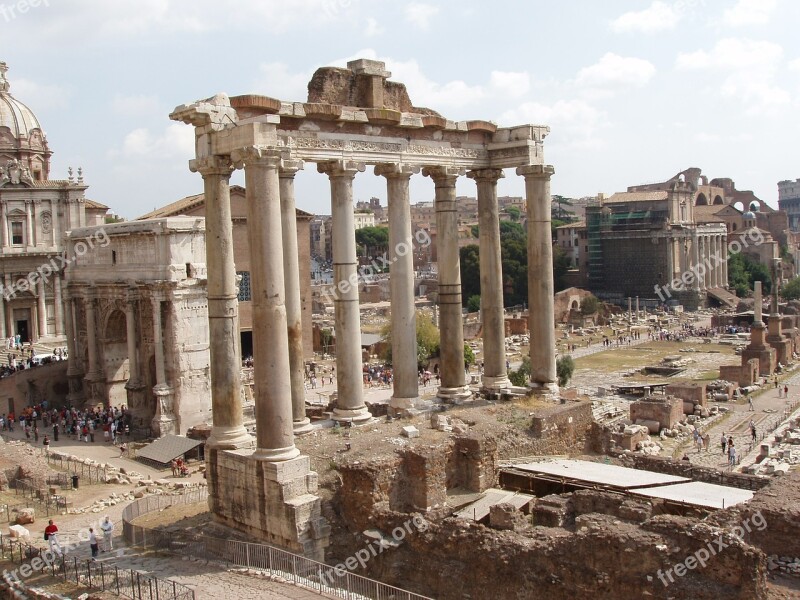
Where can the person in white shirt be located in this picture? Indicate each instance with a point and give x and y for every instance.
(108, 531)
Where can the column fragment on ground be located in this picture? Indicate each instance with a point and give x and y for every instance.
(271, 377)
(227, 430)
(541, 316)
(294, 309)
(349, 372)
(401, 286)
(451, 329)
(495, 376)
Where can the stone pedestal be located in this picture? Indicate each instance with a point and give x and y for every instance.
(164, 421)
(759, 350)
(274, 502)
(776, 339)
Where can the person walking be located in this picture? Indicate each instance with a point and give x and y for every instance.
(785, 391)
(51, 535)
(750, 402)
(93, 543)
(731, 453)
(108, 532)
(724, 442)
(174, 466)
(753, 431)
(46, 444)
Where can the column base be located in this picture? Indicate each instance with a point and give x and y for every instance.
(403, 403)
(277, 454)
(275, 502)
(545, 391)
(162, 425)
(357, 416)
(454, 394)
(229, 438)
(492, 384)
(302, 427)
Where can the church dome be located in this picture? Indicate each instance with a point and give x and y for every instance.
(21, 135)
(749, 215)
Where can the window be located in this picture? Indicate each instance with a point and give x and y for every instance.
(244, 286)
(16, 233)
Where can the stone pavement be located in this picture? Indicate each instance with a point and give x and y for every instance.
(208, 580)
(769, 410)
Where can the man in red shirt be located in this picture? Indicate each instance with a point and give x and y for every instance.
(51, 535)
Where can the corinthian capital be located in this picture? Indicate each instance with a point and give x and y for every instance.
(486, 175)
(212, 165)
(390, 170)
(341, 168)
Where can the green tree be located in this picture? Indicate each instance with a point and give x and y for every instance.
(374, 240)
(565, 367)
(474, 303)
(590, 305)
(469, 355)
(514, 212)
(427, 340)
(521, 376)
(561, 264)
(326, 337)
(743, 271)
(791, 290)
(470, 271)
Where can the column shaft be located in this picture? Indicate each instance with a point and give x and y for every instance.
(401, 287)
(93, 372)
(29, 220)
(451, 328)
(41, 308)
(58, 304)
(2, 318)
(133, 347)
(3, 224)
(349, 371)
(223, 309)
(158, 342)
(271, 375)
(541, 287)
(294, 309)
(491, 276)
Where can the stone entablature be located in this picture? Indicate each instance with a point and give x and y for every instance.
(137, 321)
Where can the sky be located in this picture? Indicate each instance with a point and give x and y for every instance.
(633, 91)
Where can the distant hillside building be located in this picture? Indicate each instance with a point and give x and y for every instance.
(789, 201)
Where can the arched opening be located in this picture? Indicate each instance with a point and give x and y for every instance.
(739, 205)
(755, 206)
(574, 305)
(718, 200)
(701, 200)
(116, 363)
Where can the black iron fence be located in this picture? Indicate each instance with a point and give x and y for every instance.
(92, 576)
(337, 582)
(39, 497)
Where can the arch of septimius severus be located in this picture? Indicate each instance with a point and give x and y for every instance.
(354, 117)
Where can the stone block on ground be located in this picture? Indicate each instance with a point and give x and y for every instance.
(26, 516)
(410, 431)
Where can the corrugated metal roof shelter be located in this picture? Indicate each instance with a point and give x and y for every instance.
(697, 493)
(480, 508)
(160, 453)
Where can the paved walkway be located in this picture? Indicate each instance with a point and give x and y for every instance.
(769, 410)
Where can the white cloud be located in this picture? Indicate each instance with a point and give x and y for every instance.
(659, 16)
(574, 120)
(373, 28)
(420, 14)
(749, 12)
(176, 141)
(135, 105)
(613, 73)
(275, 80)
(510, 84)
(794, 65)
(749, 68)
(39, 95)
(733, 53)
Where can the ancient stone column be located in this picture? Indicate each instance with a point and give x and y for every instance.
(630, 308)
(637, 308)
(133, 346)
(29, 219)
(451, 329)
(10, 310)
(93, 372)
(725, 262)
(697, 281)
(541, 287)
(2, 316)
(163, 419)
(349, 371)
(58, 305)
(401, 285)
(757, 304)
(294, 309)
(41, 308)
(495, 376)
(227, 431)
(158, 340)
(72, 353)
(271, 375)
(3, 225)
